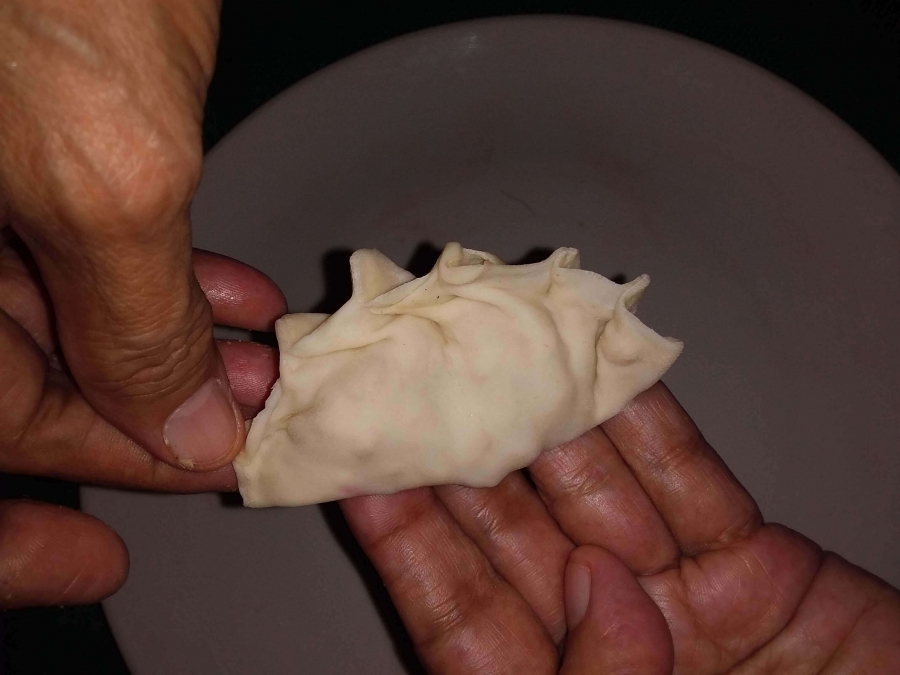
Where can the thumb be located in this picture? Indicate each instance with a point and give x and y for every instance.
(136, 332)
(100, 155)
(613, 625)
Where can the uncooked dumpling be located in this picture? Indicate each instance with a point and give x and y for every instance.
(460, 376)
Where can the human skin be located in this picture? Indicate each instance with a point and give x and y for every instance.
(101, 104)
(636, 549)
(682, 572)
(50, 555)
(108, 368)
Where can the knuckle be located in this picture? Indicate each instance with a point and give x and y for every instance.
(673, 455)
(134, 181)
(481, 509)
(153, 362)
(492, 523)
(389, 535)
(448, 614)
(739, 529)
(582, 480)
(460, 605)
(94, 141)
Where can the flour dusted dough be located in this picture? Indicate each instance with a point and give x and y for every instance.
(460, 376)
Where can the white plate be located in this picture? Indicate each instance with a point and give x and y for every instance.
(769, 228)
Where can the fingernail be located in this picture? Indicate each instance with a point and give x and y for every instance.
(203, 428)
(578, 593)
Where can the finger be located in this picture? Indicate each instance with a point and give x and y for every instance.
(136, 332)
(23, 371)
(460, 614)
(252, 370)
(101, 157)
(240, 295)
(68, 441)
(592, 494)
(703, 504)
(113, 248)
(48, 429)
(24, 300)
(614, 626)
(519, 538)
(106, 457)
(50, 555)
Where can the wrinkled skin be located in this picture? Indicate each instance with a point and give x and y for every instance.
(106, 315)
(101, 105)
(636, 551)
(686, 575)
(55, 556)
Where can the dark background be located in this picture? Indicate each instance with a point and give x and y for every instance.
(844, 53)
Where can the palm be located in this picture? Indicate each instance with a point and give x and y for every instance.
(477, 574)
(723, 605)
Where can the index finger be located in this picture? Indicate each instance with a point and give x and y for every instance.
(701, 501)
(240, 295)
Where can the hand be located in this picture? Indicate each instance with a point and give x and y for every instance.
(636, 551)
(51, 555)
(100, 109)
(102, 317)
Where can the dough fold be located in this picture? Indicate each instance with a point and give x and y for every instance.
(460, 376)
